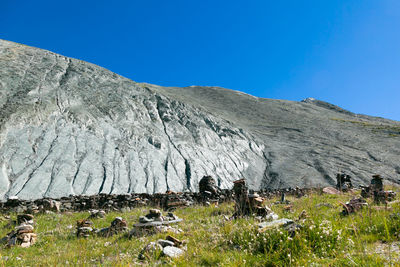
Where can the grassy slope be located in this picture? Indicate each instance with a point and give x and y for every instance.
(326, 239)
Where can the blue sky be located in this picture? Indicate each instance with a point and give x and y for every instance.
(343, 52)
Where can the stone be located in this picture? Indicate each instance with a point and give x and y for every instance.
(207, 186)
(165, 243)
(376, 190)
(86, 229)
(343, 182)
(144, 219)
(376, 183)
(97, 214)
(353, 205)
(25, 218)
(248, 204)
(274, 224)
(24, 228)
(173, 252)
(118, 225)
(330, 190)
(176, 242)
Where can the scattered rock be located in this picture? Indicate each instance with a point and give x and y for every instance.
(96, 214)
(154, 222)
(274, 224)
(177, 242)
(353, 205)
(173, 252)
(330, 190)
(25, 218)
(286, 224)
(118, 225)
(165, 243)
(375, 190)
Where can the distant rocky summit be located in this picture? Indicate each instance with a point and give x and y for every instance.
(71, 127)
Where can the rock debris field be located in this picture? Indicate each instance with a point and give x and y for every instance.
(248, 205)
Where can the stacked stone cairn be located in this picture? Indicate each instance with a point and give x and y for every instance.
(209, 191)
(84, 228)
(154, 222)
(23, 235)
(375, 190)
(171, 247)
(249, 204)
(343, 182)
(118, 225)
(353, 206)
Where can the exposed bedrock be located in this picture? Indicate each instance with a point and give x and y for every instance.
(70, 127)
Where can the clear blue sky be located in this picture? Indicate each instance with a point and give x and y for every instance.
(343, 52)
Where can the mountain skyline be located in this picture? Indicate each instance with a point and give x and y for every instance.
(339, 52)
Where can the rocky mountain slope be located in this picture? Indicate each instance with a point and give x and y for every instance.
(71, 127)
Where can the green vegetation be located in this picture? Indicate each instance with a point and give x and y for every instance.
(391, 130)
(367, 238)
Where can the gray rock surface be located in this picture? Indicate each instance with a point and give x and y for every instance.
(71, 127)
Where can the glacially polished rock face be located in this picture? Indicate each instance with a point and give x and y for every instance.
(71, 127)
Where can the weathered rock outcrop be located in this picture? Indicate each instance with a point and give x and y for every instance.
(70, 127)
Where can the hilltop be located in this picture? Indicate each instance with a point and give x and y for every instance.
(71, 127)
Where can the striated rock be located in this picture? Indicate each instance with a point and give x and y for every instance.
(68, 127)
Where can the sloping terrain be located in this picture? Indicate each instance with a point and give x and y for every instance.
(70, 127)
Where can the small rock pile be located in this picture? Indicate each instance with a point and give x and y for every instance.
(154, 222)
(118, 225)
(23, 235)
(96, 214)
(248, 204)
(353, 205)
(375, 190)
(124, 202)
(155, 215)
(84, 228)
(209, 191)
(343, 182)
(171, 247)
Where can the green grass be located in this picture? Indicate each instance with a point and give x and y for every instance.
(391, 130)
(326, 239)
